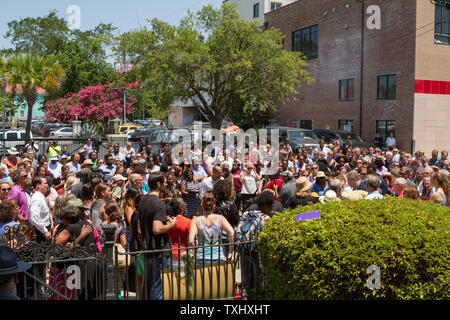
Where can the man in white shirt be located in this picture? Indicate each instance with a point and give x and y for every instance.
(54, 166)
(39, 210)
(208, 184)
(372, 185)
(74, 165)
(322, 147)
(199, 172)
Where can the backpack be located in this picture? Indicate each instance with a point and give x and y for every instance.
(248, 228)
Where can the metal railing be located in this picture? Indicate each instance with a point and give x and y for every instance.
(73, 145)
(190, 273)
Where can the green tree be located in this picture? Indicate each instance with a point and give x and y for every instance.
(28, 72)
(142, 49)
(222, 63)
(81, 53)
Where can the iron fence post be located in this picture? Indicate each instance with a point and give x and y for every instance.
(109, 231)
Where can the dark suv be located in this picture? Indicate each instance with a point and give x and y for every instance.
(329, 135)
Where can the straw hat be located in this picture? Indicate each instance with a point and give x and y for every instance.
(321, 174)
(13, 151)
(302, 185)
(87, 163)
(354, 195)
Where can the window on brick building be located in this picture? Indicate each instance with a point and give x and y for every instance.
(387, 86)
(347, 89)
(256, 11)
(385, 127)
(306, 124)
(442, 23)
(307, 41)
(275, 6)
(343, 123)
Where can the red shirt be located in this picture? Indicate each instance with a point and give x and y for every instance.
(179, 233)
(272, 182)
(237, 182)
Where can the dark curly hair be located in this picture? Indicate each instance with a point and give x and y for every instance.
(222, 190)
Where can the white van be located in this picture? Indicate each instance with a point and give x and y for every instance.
(12, 138)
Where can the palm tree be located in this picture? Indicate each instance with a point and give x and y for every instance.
(31, 72)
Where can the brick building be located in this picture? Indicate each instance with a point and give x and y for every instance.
(396, 78)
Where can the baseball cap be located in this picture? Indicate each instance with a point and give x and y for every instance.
(76, 203)
(118, 177)
(54, 157)
(287, 174)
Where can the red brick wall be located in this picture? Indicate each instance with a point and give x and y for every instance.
(390, 50)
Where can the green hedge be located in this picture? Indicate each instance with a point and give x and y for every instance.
(328, 258)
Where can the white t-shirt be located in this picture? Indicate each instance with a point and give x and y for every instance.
(249, 185)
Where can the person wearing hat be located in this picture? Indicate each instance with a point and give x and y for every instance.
(288, 189)
(117, 190)
(9, 269)
(87, 164)
(329, 196)
(54, 166)
(321, 183)
(54, 149)
(303, 195)
(12, 160)
(63, 160)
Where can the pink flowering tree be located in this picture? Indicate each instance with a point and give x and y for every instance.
(96, 104)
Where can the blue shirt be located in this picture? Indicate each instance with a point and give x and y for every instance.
(318, 190)
(7, 224)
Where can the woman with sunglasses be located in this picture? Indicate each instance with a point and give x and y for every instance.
(5, 191)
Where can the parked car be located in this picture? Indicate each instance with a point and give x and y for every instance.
(66, 132)
(155, 122)
(297, 137)
(49, 127)
(123, 129)
(12, 138)
(329, 135)
(36, 126)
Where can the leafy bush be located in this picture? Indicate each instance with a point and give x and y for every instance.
(328, 258)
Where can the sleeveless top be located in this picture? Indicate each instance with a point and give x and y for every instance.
(208, 235)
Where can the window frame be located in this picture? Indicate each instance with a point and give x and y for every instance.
(387, 97)
(347, 122)
(347, 91)
(386, 130)
(438, 24)
(256, 6)
(311, 31)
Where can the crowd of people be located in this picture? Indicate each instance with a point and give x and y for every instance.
(156, 203)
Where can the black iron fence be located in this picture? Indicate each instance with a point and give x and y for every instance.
(43, 144)
(176, 273)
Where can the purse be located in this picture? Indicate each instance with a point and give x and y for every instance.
(121, 257)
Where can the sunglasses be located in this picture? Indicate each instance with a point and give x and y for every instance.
(6, 189)
(25, 176)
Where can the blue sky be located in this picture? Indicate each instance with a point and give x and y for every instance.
(125, 15)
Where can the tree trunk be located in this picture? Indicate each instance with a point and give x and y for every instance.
(30, 103)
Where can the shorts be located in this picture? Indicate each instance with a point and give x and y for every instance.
(140, 264)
